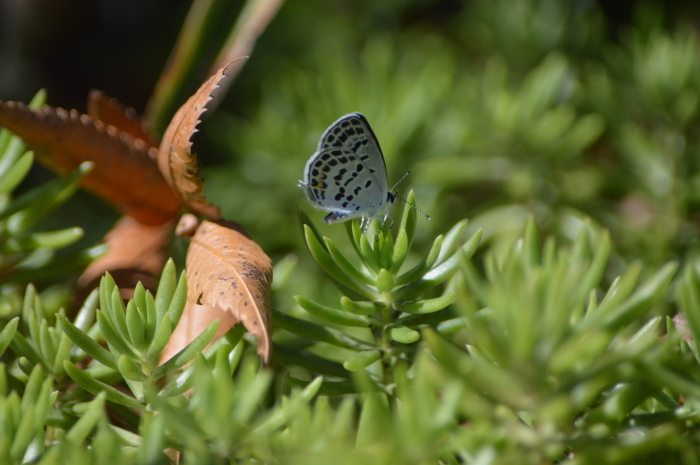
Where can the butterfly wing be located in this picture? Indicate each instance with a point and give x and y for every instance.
(352, 132)
(347, 175)
(331, 186)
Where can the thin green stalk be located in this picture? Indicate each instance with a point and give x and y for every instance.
(181, 71)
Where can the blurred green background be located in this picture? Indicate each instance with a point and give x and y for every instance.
(569, 111)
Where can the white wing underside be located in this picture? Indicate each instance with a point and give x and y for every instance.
(347, 174)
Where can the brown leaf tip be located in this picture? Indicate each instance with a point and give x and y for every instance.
(112, 112)
(187, 225)
(116, 105)
(134, 145)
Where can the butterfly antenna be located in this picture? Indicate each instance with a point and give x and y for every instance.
(401, 198)
(412, 205)
(399, 181)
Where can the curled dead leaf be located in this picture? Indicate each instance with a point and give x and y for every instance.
(124, 173)
(187, 225)
(175, 158)
(229, 271)
(137, 252)
(111, 112)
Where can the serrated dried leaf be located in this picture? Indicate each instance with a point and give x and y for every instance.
(228, 270)
(110, 111)
(175, 158)
(136, 253)
(124, 173)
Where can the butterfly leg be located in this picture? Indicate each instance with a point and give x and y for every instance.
(391, 225)
(364, 224)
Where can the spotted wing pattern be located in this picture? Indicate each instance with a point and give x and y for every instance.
(347, 174)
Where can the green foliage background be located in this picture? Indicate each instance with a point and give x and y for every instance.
(564, 131)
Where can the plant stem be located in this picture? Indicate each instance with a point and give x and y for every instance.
(385, 341)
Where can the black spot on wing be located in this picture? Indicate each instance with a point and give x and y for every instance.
(340, 175)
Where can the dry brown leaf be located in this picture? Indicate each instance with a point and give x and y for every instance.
(229, 271)
(110, 111)
(175, 158)
(187, 225)
(195, 319)
(136, 253)
(124, 173)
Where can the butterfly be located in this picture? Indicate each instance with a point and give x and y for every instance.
(347, 175)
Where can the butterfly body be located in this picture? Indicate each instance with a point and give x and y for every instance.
(346, 176)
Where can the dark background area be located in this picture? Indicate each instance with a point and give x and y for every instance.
(120, 46)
